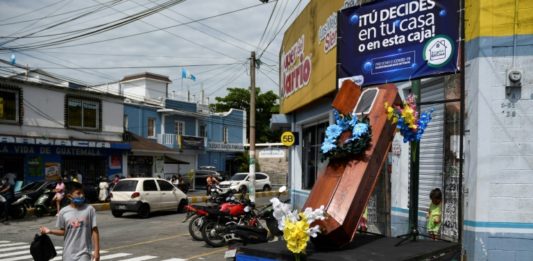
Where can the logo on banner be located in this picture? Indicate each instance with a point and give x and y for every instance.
(438, 51)
(296, 69)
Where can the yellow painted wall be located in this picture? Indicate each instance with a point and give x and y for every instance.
(323, 74)
(486, 18)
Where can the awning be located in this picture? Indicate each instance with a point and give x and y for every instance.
(147, 147)
(279, 121)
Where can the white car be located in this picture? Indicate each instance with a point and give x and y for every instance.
(146, 195)
(240, 182)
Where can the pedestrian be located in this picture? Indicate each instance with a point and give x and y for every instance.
(210, 181)
(8, 193)
(103, 187)
(76, 223)
(60, 193)
(434, 214)
(175, 181)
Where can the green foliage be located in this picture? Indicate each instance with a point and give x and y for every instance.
(242, 162)
(266, 105)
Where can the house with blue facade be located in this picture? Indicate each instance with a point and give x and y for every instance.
(196, 136)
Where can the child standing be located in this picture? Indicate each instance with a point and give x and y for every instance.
(434, 215)
(77, 224)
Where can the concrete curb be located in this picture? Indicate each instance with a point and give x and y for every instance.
(193, 199)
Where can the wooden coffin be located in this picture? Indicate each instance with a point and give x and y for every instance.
(344, 188)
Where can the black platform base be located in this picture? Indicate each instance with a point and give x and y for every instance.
(365, 247)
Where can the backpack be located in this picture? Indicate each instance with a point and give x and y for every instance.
(42, 248)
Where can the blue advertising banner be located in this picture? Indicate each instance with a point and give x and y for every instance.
(398, 40)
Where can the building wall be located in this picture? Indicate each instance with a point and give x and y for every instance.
(138, 118)
(234, 120)
(498, 143)
(44, 116)
(190, 124)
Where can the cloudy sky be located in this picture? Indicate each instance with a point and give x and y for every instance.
(163, 42)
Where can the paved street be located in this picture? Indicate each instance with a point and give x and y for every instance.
(160, 237)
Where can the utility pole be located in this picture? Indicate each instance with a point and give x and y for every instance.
(251, 161)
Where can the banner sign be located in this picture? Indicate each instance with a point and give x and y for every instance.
(397, 40)
(191, 142)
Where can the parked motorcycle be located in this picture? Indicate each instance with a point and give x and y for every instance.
(18, 207)
(45, 205)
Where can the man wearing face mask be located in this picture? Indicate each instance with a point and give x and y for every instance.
(77, 224)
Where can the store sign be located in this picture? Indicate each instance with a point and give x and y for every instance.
(296, 68)
(220, 146)
(389, 41)
(328, 33)
(45, 150)
(192, 143)
(54, 142)
(271, 153)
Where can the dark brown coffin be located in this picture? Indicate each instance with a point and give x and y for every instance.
(344, 188)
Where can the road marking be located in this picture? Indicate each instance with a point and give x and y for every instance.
(206, 254)
(140, 258)
(3, 241)
(146, 242)
(175, 259)
(13, 244)
(13, 248)
(15, 253)
(117, 255)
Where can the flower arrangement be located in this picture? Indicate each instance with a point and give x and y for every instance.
(410, 124)
(296, 226)
(357, 143)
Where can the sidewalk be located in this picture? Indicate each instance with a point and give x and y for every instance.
(197, 196)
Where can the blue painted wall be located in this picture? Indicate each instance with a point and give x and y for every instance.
(138, 119)
(233, 121)
(180, 105)
(190, 124)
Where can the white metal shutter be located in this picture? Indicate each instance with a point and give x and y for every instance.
(432, 143)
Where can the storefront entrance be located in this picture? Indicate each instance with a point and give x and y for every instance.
(91, 168)
(140, 166)
(12, 164)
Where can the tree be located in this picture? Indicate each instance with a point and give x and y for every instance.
(266, 105)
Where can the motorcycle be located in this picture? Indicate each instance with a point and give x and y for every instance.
(44, 204)
(215, 222)
(263, 229)
(18, 207)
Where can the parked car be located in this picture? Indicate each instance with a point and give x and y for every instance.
(240, 182)
(146, 195)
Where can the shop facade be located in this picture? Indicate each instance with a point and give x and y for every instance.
(49, 131)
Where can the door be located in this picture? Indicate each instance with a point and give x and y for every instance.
(260, 180)
(151, 194)
(168, 197)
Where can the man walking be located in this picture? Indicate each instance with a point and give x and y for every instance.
(76, 223)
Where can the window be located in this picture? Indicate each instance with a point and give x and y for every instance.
(201, 131)
(366, 101)
(312, 157)
(126, 122)
(259, 176)
(9, 106)
(165, 186)
(83, 113)
(151, 127)
(179, 128)
(149, 185)
(126, 185)
(225, 137)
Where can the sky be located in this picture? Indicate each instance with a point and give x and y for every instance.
(216, 50)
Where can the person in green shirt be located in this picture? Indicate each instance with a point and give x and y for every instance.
(434, 215)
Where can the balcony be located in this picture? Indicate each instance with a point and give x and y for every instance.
(182, 142)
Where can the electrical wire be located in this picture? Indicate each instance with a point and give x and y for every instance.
(93, 30)
(276, 35)
(3, 49)
(267, 24)
(39, 9)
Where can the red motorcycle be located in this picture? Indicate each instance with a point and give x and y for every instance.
(230, 213)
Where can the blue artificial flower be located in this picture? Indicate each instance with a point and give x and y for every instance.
(327, 147)
(333, 131)
(359, 129)
(353, 121)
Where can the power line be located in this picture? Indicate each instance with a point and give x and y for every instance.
(276, 35)
(139, 67)
(39, 9)
(267, 24)
(99, 28)
(135, 34)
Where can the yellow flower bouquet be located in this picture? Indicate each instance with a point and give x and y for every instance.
(296, 226)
